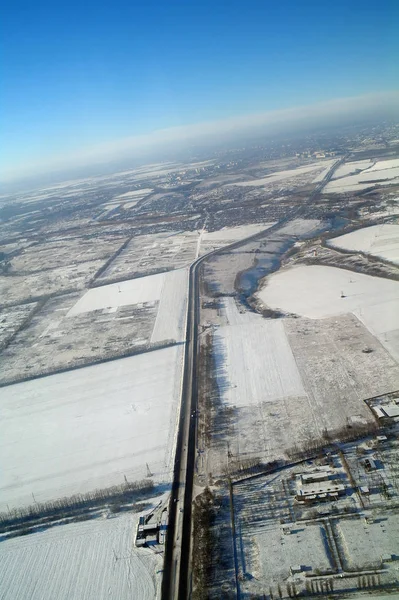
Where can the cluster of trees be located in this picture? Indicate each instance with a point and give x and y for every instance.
(202, 534)
(74, 506)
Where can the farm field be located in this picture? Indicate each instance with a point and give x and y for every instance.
(282, 175)
(93, 560)
(109, 321)
(289, 381)
(144, 255)
(377, 240)
(132, 291)
(350, 168)
(16, 289)
(170, 320)
(151, 253)
(211, 240)
(62, 251)
(381, 173)
(87, 429)
(12, 318)
(317, 292)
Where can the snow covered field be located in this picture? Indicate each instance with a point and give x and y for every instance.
(169, 289)
(210, 240)
(134, 193)
(351, 168)
(365, 543)
(280, 176)
(385, 172)
(285, 386)
(316, 292)
(86, 429)
(285, 382)
(258, 378)
(171, 317)
(279, 552)
(93, 560)
(260, 362)
(378, 240)
(132, 291)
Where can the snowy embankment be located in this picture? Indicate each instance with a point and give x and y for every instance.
(318, 292)
(378, 240)
(93, 560)
(87, 429)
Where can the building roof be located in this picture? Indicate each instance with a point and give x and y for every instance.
(321, 488)
(391, 410)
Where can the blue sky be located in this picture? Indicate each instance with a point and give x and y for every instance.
(77, 74)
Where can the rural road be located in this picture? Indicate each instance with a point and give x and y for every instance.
(176, 583)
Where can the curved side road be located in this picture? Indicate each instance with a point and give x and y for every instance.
(176, 583)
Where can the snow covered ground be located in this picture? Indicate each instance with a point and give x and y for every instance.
(280, 176)
(381, 165)
(385, 172)
(134, 193)
(87, 429)
(169, 289)
(260, 362)
(352, 167)
(132, 291)
(284, 382)
(171, 317)
(365, 543)
(378, 240)
(211, 240)
(258, 379)
(317, 292)
(92, 560)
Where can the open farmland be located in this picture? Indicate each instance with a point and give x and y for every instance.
(109, 321)
(291, 381)
(358, 176)
(211, 240)
(377, 240)
(87, 429)
(319, 292)
(134, 291)
(150, 254)
(12, 318)
(154, 253)
(94, 560)
(283, 175)
(17, 289)
(61, 251)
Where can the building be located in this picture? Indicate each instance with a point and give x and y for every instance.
(324, 490)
